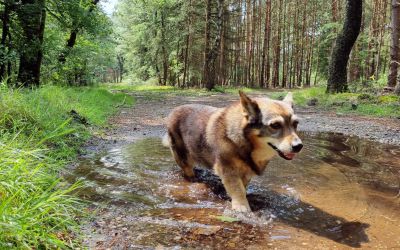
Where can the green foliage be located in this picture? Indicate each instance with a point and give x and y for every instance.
(89, 59)
(92, 55)
(36, 209)
(38, 134)
(44, 110)
(151, 32)
(328, 33)
(388, 99)
(367, 104)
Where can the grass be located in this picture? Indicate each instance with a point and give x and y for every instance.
(350, 103)
(38, 136)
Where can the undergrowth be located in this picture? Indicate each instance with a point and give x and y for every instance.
(40, 131)
(364, 103)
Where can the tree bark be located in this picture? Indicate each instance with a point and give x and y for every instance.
(337, 80)
(4, 35)
(275, 77)
(164, 50)
(394, 49)
(265, 50)
(222, 68)
(397, 89)
(207, 43)
(211, 54)
(186, 56)
(284, 36)
(121, 62)
(32, 17)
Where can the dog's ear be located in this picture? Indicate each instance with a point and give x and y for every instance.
(289, 99)
(250, 108)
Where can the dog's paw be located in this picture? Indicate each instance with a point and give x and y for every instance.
(241, 207)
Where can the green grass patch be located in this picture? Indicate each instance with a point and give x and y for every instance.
(39, 135)
(366, 103)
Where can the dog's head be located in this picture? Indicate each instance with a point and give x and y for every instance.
(273, 123)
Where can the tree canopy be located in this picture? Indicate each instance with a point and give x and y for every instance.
(266, 44)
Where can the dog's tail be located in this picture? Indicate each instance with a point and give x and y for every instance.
(166, 140)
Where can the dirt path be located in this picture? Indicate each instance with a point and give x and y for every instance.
(146, 120)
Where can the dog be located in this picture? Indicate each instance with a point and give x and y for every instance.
(237, 141)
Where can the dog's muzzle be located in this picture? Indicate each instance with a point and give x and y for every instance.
(286, 156)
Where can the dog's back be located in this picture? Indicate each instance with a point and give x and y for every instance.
(187, 126)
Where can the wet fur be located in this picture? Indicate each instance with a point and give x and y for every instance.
(228, 140)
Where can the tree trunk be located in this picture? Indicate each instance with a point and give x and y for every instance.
(185, 65)
(397, 89)
(186, 56)
(337, 80)
(265, 50)
(207, 44)
(284, 35)
(275, 77)
(121, 62)
(222, 59)
(6, 27)
(394, 49)
(248, 43)
(164, 50)
(211, 54)
(382, 28)
(32, 17)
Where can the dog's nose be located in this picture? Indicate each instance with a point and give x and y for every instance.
(297, 148)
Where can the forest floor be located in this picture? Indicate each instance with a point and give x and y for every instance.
(146, 119)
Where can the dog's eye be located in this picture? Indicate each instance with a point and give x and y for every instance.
(276, 125)
(295, 124)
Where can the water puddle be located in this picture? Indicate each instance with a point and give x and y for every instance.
(340, 192)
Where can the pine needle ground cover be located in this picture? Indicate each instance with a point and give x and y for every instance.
(40, 132)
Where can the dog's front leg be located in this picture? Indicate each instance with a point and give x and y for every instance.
(234, 186)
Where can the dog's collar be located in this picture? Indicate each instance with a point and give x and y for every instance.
(279, 152)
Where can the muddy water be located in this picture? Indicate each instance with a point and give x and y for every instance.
(339, 193)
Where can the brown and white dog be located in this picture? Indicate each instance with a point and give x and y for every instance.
(237, 141)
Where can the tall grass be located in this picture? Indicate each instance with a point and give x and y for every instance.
(38, 135)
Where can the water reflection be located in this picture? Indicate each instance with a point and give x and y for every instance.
(292, 211)
(341, 189)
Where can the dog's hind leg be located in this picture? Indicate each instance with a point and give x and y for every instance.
(181, 155)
